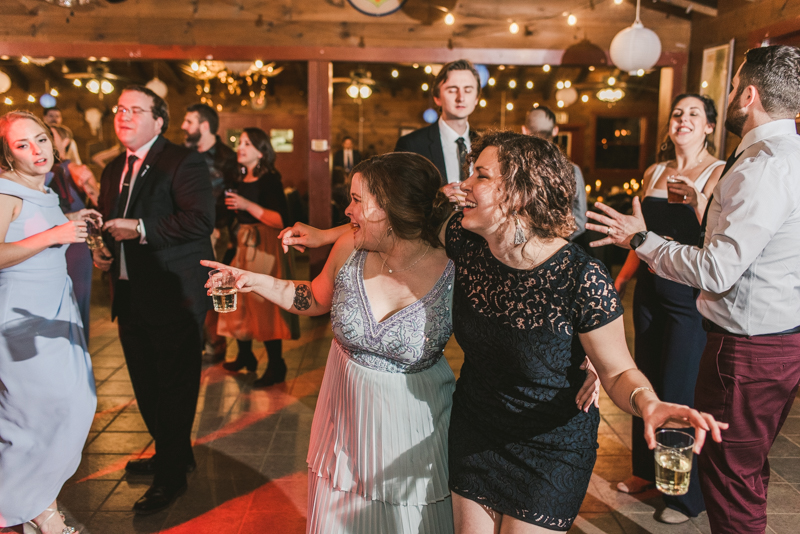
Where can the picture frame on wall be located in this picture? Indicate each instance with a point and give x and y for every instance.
(715, 82)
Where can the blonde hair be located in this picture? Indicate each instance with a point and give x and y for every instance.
(7, 160)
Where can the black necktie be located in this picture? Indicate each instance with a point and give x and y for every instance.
(728, 164)
(122, 201)
(462, 158)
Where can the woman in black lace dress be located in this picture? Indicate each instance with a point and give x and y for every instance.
(527, 307)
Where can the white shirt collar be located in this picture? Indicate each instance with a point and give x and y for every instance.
(770, 129)
(143, 150)
(449, 135)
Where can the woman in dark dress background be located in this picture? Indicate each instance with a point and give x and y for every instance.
(669, 332)
(527, 307)
(261, 212)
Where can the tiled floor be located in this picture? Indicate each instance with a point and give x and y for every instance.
(251, 447)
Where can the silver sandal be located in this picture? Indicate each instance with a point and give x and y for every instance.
(66, 530)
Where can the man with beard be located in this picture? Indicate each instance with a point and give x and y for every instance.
(200, 125)
(746, 270)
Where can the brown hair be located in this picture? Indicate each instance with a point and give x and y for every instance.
(63, 131)
(539, 182)
(775, 72)
(461, 64)
(261, 142)
(405, 186)
(159, 109)
(666, 151)
(7, 160)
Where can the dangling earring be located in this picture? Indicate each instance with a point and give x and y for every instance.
(519, 233)
(664, 146)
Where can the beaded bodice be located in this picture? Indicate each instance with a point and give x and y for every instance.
(409, 341)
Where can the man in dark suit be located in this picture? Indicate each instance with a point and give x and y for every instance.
(159, 211)
(200, 125)
(447, 142)
(347, 157)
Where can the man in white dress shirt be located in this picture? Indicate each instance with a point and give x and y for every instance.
(748, 271)
(448, 141)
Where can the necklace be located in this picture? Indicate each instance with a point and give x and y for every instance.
(535, 258)
(392, 271)
(699, 161)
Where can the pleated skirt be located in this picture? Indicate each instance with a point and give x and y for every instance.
(378, 452)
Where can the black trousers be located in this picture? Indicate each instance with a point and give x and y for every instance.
(669, 344)
(164, 363)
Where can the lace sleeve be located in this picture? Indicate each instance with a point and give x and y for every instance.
(597, 300)
(454, 236)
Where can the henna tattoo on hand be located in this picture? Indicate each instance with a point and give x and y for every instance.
(302, 297)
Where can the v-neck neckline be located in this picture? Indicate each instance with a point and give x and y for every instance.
(362, 289)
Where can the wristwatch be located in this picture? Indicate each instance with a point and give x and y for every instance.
(638, 239)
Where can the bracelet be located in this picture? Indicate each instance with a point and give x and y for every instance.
(632, 399)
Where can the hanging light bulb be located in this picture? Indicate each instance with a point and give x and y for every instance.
(512, 84)
(509, 106)
(425, 86)
(482, 103)
(31, 98)
(449, 19)
(514, 28)
(54, 92)
(585, 98)
(546, 68)
(76, 82)
(259, 63)
(352, 90)
(428, 69)
(365, 91)
(618, 2)
(567, 84)
(529, 85)
(24, 59)
(8, 101)
(572, 20)
(195, 66)
(395, 73)
(106, 86)
(611, 80)
(560, 84)
(491, 82)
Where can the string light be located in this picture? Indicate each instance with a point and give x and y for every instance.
(395, 73)
(546, 68)
(54, 92)
(425, 86)
(585, 98)
(428, 69)
(560, 84)
(509, 106)
(611, 80)
(449, 19)
(259, 63)
(482, 103)
(572, 20)
(512, 84)
(567, 84)
(514, 28)
(491, 81)
(31, 98)
(529, 85)
(76, 82)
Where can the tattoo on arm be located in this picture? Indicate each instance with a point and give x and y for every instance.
(302, 297)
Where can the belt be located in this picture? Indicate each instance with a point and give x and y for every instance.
(714, 328)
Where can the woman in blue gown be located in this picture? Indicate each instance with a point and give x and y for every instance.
(47, 395)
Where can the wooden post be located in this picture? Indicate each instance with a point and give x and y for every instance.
(320, 101)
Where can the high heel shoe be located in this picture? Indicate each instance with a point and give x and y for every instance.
(242, 361)
(66, 530)
(275, 374)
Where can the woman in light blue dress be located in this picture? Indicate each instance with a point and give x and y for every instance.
(378, 454)
(47, 395)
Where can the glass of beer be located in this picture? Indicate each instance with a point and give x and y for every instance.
(673, 197)
(223, 290)
(94, 228)
(673, 454)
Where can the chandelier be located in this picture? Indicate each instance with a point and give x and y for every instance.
(223, 80)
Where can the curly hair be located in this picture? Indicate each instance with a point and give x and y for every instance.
(666, 150)
(7, 159)
(406, 186)
(261, 142)
(538, 181)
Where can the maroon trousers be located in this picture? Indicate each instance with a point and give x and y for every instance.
(749, 383)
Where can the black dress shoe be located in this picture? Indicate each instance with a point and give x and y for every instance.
(147, 466)
(158, 498)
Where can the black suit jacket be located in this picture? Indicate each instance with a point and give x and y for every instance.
(427, 142)
(172, 196)
(338, 158)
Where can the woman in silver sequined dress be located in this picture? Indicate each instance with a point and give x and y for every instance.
(377, 458)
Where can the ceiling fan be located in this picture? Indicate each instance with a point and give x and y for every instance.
(99, 79)
(360, 81)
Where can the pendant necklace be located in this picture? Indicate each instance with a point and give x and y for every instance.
(392, 271)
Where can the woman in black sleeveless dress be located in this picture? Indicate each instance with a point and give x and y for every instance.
(669, 333)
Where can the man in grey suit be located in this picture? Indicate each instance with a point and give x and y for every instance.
(447, 141)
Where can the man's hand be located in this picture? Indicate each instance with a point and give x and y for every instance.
(618, 228)
(122, 229)
(102, 258)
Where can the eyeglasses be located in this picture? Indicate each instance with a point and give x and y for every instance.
(133, 112)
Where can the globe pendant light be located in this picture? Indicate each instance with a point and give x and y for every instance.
(635, 47)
